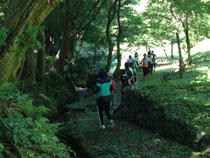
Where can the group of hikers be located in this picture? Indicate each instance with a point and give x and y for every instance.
(133, 65)
(106, 85)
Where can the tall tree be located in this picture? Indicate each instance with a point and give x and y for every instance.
(186, 12)
(78, 18)
(66, 41)
(118, 39)
(180, 54)
(159, 23)
(173, 41)
(181, 68)
(110, 18)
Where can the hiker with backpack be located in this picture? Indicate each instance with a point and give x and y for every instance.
(130, 74)
(136, 58)
(145, 65)
(123, 81)
(154, 60)
(134, 68)
(104, 86)
(150, 63)
(130, 60)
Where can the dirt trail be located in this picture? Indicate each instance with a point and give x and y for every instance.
(123, 139)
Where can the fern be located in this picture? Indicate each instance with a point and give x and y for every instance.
(24, 131)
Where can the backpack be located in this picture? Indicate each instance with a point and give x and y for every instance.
(131, 70)
(129, 73)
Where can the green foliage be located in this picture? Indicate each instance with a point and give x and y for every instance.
(3, 10)
(3, 35)
(4, 5)
(56, 86)
(24, 132)
(49, 93)
(78, 70)
(41, 97)
(29, 38)
(189, 14)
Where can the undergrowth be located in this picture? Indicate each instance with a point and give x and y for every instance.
(24, 131)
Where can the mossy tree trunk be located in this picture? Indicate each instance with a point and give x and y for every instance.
(24, 14)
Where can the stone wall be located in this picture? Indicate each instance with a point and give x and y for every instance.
(141, 108)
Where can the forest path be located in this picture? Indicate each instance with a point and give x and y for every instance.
(123, 139)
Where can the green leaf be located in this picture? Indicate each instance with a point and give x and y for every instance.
(1, 147)
(15, 138)
(1, 155)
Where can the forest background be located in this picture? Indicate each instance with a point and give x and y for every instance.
(49, 49)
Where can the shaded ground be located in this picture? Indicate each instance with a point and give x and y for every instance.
(124, 139)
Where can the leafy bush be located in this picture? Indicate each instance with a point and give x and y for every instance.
(56, 86)
(24, 132)
(78, 70)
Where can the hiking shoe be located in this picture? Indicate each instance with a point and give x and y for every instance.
(111, 125)
(102, 127)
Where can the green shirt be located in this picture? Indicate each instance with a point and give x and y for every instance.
(104, 89)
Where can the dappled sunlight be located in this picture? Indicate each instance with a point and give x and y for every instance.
(203, 68)
(167, 65)
(208, 75)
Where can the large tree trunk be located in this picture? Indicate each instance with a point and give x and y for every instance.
(186, 30)
(180, 55)
(111, 15)
(109, 59)
(24, 14)
(66, 37)
(118, 40)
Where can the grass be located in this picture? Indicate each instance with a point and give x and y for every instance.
(123, 140)
(126, 140)
(190, 93)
